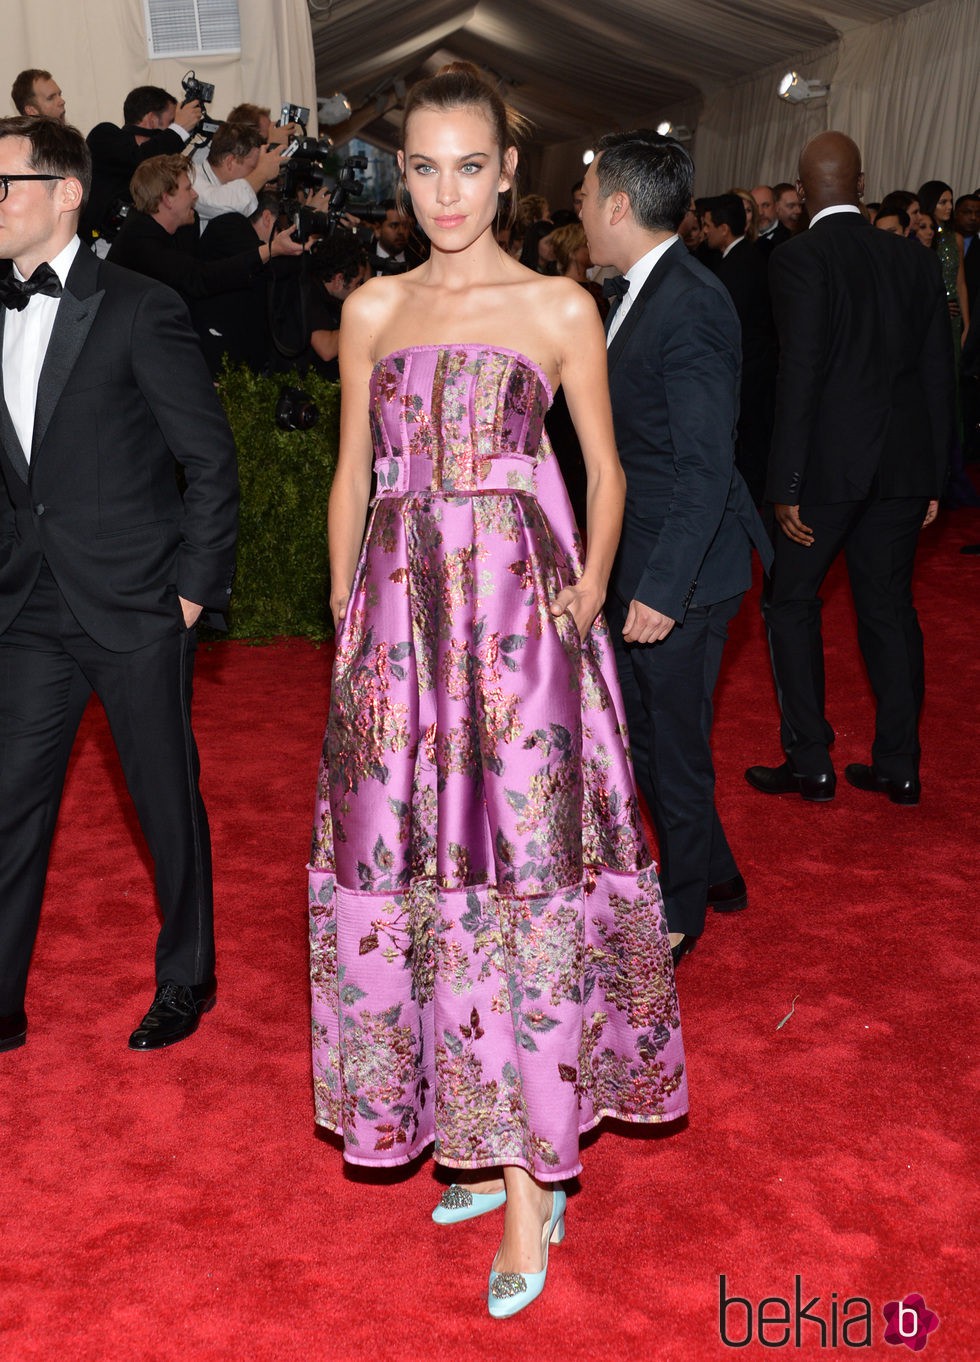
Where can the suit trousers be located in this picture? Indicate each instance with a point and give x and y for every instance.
(49, 666)
(879, 537)
(667, 691)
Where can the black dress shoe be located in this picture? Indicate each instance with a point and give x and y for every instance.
(783, 780)
(728, 896)
(867, 778)
(173, 1015)
(13, 1030)
(683, 946)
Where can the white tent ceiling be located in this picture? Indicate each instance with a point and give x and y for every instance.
(573, 68)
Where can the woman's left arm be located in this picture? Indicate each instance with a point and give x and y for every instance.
(582, 367)
(961, 289)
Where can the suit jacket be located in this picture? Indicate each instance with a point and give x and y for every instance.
(123, 393)
(971, 268)
(689, 521)
(115, 155)
(865, 388)
(745, 274)
(234, 322)
(146, 247)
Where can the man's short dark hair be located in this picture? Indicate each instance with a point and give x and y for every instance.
(266, 202)
(727, 210)
(965, 198)
(340, 253)
(898, 201)
(891, 210)
(654, 172)
(56, 148)
(234, 139)
(784, 187)
(22, 90)
(146, 99)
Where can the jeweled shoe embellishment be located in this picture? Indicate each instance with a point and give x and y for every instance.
(507, 1284)
(459, 1203)
(456, 1198)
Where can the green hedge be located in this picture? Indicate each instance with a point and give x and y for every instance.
(281, 584)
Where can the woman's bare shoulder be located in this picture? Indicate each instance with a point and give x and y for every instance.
(372, 304)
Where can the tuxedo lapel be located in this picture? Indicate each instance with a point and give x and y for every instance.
(642, 302)
(9, 436)
(76, 313)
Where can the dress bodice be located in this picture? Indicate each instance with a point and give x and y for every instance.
(454, 419)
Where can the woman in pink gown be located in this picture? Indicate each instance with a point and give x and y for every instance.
(490, 965)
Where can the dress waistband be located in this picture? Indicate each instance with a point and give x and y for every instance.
(454, 476)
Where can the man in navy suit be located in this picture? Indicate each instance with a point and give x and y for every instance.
(105, 567)
(684, 560)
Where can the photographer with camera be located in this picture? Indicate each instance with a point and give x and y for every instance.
(272, 134)
(153, 125)
(235, 322)
(236, 167)
(339, 265)
(164, 199)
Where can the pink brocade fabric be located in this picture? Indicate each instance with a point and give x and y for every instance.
(490, 965)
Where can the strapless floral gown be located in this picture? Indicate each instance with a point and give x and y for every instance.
(490, 964)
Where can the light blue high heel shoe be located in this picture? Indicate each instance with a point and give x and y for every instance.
(459, 1203)
(510, 1292)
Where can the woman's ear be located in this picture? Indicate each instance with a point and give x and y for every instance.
(401, 164)
(508, 167)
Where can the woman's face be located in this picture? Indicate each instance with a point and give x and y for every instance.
(944, 208)
(925, 231)
(452, 169)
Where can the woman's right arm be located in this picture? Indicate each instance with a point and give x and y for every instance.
(351, 488)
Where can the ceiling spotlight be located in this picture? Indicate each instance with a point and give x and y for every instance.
(588, 157)
(333, 110)
(678, 131)
(796, 90)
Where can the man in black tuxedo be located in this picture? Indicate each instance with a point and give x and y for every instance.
(104, 566)
(744, 270)
(684, 557)
(393, 251)
(864, 410)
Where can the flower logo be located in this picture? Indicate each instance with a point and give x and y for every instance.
(910, 1321)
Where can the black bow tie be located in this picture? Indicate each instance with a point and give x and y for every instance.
(17, 293)
(616, 287)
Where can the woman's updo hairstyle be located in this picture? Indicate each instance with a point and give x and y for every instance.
(460, 85)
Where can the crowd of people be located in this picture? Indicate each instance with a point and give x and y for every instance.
(493, 946)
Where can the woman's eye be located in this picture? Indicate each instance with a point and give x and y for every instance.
(471, 168)
(423, 170)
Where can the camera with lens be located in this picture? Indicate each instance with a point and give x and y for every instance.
(295, 410)
(294, 113)
(204, 94)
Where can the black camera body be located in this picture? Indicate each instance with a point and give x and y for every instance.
(204, 94)
(197, 89)
(294, 113)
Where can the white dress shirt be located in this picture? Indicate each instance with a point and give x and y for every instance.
(25, 343)
(215, 197)
(637, 275)
(835, 208)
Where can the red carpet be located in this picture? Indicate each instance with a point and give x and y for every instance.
(180, 1205)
